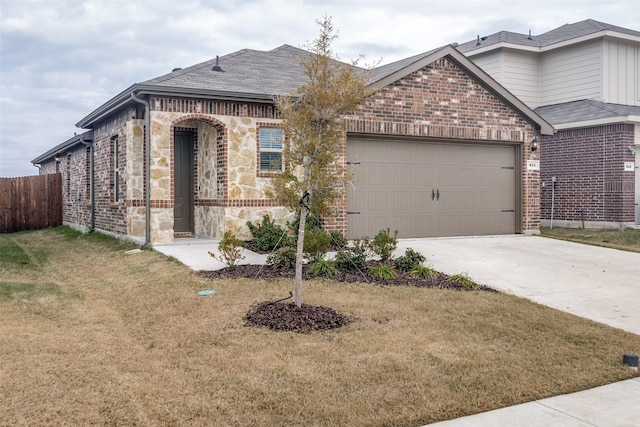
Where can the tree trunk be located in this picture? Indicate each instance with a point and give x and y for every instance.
(299, 251)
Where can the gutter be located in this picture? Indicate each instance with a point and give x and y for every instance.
(147, 168)
(92, 182)
(124, 97)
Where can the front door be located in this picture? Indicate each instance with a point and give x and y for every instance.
(183, 182)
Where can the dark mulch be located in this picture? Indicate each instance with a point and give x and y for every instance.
(282, 316)
(285, 316)
(348, 276)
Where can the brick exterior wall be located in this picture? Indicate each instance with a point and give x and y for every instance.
(442, 102)
(439, 102)
(591, 182)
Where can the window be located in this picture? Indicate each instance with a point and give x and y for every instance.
(116, 168)
(270, 142)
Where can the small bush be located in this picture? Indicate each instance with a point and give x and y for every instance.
(316, 244)
(338, 240)
(383, 271)
(463, 280)
(409, 260)
(284, 258)
(354, 257)
(383, 244)
(311, 222)
(267, 235)
(423, 272)
(323, 268)
(230, 249)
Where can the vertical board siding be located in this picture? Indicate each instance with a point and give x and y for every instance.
(571, 74)
(622, 66)
(30, 203)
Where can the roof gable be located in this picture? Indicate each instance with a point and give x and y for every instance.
(390, 73)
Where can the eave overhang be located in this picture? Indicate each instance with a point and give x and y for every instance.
(124, 98)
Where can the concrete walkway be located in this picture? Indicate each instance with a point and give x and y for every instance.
(596, 283)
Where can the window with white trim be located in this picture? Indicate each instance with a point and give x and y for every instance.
(270, 140)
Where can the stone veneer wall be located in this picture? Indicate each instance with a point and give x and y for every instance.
(441, 102)
(228, 190)
(591, 181)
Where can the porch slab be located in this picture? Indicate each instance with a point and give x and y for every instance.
(194, 253)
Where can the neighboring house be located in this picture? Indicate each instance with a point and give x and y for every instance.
(441, 149)
(584, 79)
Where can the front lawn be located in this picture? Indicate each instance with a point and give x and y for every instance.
(627, 239)
(91, 335)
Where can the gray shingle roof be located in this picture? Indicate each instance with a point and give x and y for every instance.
(585, 110)
(64, 147)
(388, 69)
(557, 35)
(247, 71)
(258, 75)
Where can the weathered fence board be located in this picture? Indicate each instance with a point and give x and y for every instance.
(30, 202)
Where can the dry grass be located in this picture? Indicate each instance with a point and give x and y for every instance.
(627, 239)
(117, 339)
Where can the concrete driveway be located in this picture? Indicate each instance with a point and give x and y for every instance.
(596, 283)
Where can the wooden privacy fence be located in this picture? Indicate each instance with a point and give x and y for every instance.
(30, 202)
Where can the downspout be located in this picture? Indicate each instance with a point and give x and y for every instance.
(92, 195)
(147, 168)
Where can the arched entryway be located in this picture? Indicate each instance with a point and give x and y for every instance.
(198, 171)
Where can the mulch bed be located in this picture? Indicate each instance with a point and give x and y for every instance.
(285, 316)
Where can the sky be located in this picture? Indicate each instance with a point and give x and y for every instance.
(62, 59)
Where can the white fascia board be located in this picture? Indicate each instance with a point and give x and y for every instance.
(598, 122)
(599, 34)
(501, 45)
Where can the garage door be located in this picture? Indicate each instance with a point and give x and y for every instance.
(430, 189)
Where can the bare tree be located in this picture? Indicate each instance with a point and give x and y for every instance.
(313, 125)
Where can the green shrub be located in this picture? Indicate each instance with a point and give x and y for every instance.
(423, 272)
(311, 222)
(383, 244)
(284, 258)
(383, 271)
(353, 257)
(463, 280)
(409, 260)
(267, 235)
(338, 240)
(316, 244)
(323, 268)
(230, 249)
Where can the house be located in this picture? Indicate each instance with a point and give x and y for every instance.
(584, 79)
(441, 149)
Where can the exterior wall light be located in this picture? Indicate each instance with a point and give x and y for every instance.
(632, 149)
(57, 158)
(534, 145)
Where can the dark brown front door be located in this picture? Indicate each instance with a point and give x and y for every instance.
(183, 182)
